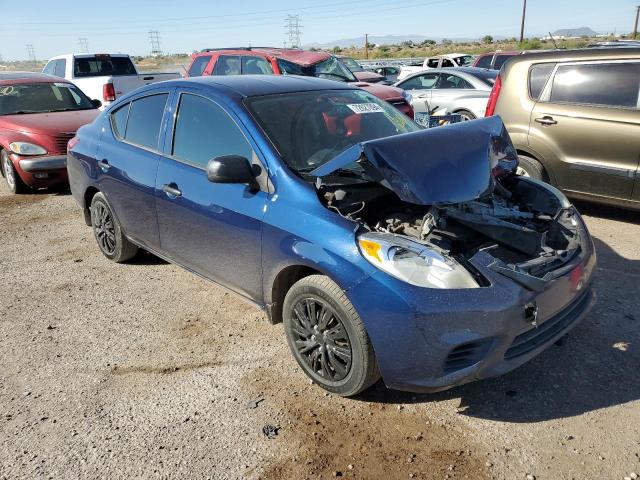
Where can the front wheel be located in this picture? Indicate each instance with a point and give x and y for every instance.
(327, 337)
(108, 233)
(14, 182)
(466, 115)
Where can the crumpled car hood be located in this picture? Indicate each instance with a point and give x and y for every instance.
(449, 164)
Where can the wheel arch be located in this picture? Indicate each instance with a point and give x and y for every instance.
(281, 284)
(529, 153)
(89, 193)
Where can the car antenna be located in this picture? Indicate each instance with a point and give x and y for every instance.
(554, 41)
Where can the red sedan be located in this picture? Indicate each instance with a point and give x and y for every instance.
(39, 114)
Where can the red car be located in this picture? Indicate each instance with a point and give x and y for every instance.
(39, 114)
(288, 61)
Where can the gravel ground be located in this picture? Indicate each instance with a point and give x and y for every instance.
(144, 370)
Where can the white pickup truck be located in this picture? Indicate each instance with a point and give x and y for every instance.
(102, 76)
(441, 61)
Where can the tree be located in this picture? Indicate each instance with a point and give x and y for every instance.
(427, 43)
(487, 39)
(446, 41)
(337, 50)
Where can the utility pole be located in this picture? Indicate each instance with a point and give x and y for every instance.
(635, 25)
(84, 45)
(366, 46)
(31, 54)
(292, 24)
(154, 40)
(524, 12)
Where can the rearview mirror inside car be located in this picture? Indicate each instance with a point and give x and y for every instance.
(230, 169)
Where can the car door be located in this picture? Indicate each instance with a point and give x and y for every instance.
(213, 229)
(420, 87)
(128, 163)
(448, 88)
(585, 126)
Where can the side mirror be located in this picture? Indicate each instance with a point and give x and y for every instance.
(230, 169)
(96, 103)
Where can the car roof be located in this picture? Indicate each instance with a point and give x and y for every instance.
(293, 55)
(257, 85)
(28, 77)
(452, 55)
(577, 54)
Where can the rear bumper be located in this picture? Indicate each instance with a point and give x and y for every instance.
(39, 164)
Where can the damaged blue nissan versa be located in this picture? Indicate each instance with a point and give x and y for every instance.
(386, 250)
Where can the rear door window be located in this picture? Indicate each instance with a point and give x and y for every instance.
(500, 59)
(452, 81)
(198, 66)
(538, 76)
(433, 63)
(205, 131)
(603, 84)
(255, 66)
(447, 63)
(49, 68)
(145, 119)
(227, 65)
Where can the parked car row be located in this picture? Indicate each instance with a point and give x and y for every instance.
(379, 245)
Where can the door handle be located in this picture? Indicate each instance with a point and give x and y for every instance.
(172, 190)
(546, 120)
(104, 165)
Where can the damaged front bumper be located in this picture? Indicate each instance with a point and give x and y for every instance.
(433, 339)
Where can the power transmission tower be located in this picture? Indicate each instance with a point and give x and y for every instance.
(635, 25)
(154, 40)
(31, 53)
(84, 45)
(292, 25)
(524, 12)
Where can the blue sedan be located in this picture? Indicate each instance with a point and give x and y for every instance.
(418, 256)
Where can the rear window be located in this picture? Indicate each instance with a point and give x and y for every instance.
(500, 60)
(484, 62)
(606, 84)
(538, 76)
(101, 65)
(145, 118)
(488, 77)
(199, 64)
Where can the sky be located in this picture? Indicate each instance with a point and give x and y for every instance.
(55, 27)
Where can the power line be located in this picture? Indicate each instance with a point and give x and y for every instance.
(31, 54)
(84, 45)
(154, 40)
(292, 26)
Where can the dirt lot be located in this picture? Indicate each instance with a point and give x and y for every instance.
(143, 370)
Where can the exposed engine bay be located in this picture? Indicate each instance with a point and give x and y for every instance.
(522, 224)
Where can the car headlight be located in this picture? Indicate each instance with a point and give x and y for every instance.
(413, 262)
(24, 148)
(407, 96)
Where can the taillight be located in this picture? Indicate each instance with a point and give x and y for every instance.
(108, 92)
(493, 97)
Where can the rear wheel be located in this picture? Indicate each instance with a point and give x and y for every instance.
(530, 167)
(108, 233)
(14, 182)
(327, 337)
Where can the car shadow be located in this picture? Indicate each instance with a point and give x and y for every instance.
(146, 258)
(596, 367)
(608, 212)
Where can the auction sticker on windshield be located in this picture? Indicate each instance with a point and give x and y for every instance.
(365, 108)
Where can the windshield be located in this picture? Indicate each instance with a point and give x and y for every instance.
(464, 61)
(330, 68)
(101, 65)
(310, 128)
(352, 64)
(41, 98)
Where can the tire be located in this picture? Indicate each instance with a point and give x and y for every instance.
(530, 167)
(108, 233)
(466, 115)
(14, 182)
(319, 321)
